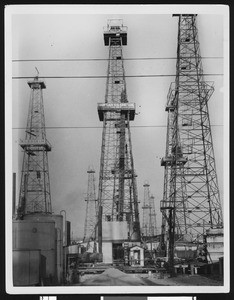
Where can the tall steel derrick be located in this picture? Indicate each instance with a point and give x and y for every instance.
(149, 213)
(191, 201)
(35, 194)
(117, 197)
(91, 208)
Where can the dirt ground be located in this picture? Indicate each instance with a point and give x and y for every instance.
(184, 280)
(114, 277)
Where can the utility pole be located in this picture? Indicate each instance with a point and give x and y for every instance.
(35, 194)
(117, 194)
(191, 200)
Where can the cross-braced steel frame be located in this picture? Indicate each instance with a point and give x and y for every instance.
(191, 201)
(35, 194)
(149, 214)
(117, 195)
(152, 217)
(146, 210)
(91, 209)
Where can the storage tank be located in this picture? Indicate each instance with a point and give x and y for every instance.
(28, 267)
(59, 229)
(58, 219)
(40, 235)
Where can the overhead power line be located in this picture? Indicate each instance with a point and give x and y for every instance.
(96, 127)
(104, 76)
(102, 59)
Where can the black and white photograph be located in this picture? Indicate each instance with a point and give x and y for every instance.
(117, 149)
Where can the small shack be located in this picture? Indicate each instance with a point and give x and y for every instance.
(136, 256)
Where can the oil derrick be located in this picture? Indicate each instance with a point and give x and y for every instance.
(34, 194)
(91, 216)
(152, 217)
(191, 201)
(149, 213)
(146, 211)
(117, 196)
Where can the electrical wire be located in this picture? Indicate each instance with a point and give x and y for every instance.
(105, 76)
(103, 59)
(100, 127)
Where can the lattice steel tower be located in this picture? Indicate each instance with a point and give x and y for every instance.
(191, 201)
(146, 210)
(35, 194)
(91, 208)
(117, 197)
(149, 213)
(152, 217)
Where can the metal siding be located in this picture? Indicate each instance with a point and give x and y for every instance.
(26, 267)
(30, 234)
(115, 230)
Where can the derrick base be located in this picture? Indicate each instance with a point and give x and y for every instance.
(115, 235)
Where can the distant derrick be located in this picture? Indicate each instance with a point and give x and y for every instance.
(152, 215)
(91, 209)
(149, 214)
(35, 194)
(146, 211)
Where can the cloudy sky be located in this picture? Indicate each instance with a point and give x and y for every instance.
(71, 104)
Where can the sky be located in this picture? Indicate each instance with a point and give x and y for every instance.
(78, 33)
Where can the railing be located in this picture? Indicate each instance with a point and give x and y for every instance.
(171, 96)
(116, 106)
(31, 142)
(114, 26)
